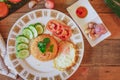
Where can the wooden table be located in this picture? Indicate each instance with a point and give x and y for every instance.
(101, 61)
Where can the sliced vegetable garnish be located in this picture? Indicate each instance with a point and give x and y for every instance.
(28, 33)
(60, 30)
(22, 39)
(22, 54)
(39, 28)
(21, 46)
(53, 26)
(34, 31)
(66, 33)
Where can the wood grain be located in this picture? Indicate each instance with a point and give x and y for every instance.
(97, 73)
(100, 6)
(106, 53)
(103, 60)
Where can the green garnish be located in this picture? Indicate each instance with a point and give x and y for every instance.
(42, 45)
(51, 48)
(43, 49)
(46, 40)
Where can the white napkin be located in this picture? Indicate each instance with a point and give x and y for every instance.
(5, 66)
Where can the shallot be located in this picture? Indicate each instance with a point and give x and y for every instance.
(49, 4)
(94, 30)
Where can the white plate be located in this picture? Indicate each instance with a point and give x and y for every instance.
(31, 68)
(92, 16)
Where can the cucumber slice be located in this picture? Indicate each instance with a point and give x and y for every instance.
(34, 31)
(21, 46)
(22, 54)
(28, 33)
(39, 28)
(22, 39)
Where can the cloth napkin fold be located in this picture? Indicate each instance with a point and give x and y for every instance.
(5, 66)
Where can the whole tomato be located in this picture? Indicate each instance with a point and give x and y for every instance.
(3, 9)
(15, 1)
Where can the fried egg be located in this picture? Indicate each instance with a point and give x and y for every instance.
(66, 57)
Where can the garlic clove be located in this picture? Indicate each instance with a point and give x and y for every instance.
(32, 3)
(87, 31)
(91, 25)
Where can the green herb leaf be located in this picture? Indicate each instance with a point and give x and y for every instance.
(43, 49)
(42, 45)
(51, 48)
(46, 40)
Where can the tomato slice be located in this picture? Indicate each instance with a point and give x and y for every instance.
(81, 12)
(3, 9)
(66, 34)
(60, 30)
(53, 26)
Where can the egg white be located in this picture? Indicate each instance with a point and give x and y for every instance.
(64, 60)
